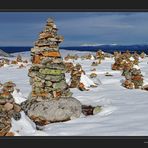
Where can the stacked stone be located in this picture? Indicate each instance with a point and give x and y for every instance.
(69, 66)
(100, 56)
(76, 76)
(121, 60)
(19, 58)
(8, 108)
(137, 78)
(87, 57)
(71, 57)
(4, 61)
(47, 71)
(142, 55)
(50, 99)
(136, 57)
(134, 79)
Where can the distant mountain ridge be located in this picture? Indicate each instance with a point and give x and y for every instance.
(111, 48)
(106, 48)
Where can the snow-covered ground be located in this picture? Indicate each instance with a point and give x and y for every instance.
(124, 113)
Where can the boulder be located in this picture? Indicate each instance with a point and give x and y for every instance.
(50, 111)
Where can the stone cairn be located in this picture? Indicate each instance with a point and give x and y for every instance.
(142, 55)
(8, 108)
(69, 66)
(121, 59)
(128, 63)
(133, 77)
(76, 77)
(100, 56)
(87, 57)
(19, 58)
(50, 99)
(4, 61)
(71, 57)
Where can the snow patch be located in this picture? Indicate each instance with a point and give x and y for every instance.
(86, 81)
(18, 97)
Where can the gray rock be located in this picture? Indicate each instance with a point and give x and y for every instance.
(54, 78)
(16, 116)
(96, 110)
(48, 83)
(55, 110)
(60, 85)
(38, 84)
(60, 66)
(38, 89)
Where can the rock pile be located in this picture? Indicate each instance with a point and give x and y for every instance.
(121, 60)
(71, 57)
(100, 56)
(128, 63)
(142, 55)
(47, 71)
(50, 99)
(69, 66)
(88, 57)
(4, 61)
(76, 76)
(133, 76)
(8, 108)
(19, 58)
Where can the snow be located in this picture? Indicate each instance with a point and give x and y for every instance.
(124, 111)
(131, 58)
(18, 97)
(86, 81)
(136, 67)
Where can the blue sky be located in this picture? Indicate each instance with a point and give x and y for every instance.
(22, 28)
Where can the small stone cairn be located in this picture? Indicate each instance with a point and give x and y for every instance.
(76, 76)
(100, 56)
(71, 57)
(69, 67)
(133, 77)
(8, 108)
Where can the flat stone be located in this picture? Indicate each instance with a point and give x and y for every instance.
(60, 85)
(50, 71)
(54, 78)
(17, 108)
(48, 83)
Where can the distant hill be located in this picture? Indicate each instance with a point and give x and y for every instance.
(4, 54)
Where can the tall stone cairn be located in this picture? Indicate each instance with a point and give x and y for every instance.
(50, 99)
(47, 71)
